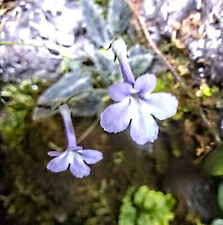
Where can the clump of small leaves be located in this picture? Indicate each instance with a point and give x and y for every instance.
(143, 206)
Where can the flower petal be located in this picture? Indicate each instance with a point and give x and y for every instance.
(91, 156)
(145, 83)
(59, 164)
(117, 116)
(119, 91)
(162, 105)
(54, 153)
(78, 168)
(143, 127)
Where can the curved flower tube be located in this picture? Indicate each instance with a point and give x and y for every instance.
(135, 103)
(74, 157)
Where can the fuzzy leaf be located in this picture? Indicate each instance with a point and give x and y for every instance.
(140, 59)
(87, 104)
(137, 50)
(107, 69)
(95, 24)
(118, 16)
(140, 63)
(69, 85)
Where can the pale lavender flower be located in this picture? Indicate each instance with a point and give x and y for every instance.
(136, 105)
(74, 157)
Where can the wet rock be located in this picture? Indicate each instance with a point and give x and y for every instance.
(149, 8)
(196, 193)
(154, 33)
(207, 41)
(178, 10)
(217, 69)
(18, 63)
(38, 25)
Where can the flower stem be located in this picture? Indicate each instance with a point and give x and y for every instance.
(88, 131)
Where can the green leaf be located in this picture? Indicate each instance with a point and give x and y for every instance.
(144, 219)
(140, 195)
(213, 164)
(140, 59)
(137, 50)
(106, 68)
(68, 86)
(128, 211)
(88, 103)
(140, 63)
(95, 24)
(220, 195)
(149, 201)
(118, 16)
(149, 207)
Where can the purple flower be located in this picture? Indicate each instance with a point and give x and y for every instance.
(74, 157)
(136, 105)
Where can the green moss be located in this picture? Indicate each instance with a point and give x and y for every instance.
(193, 219)
(165, 46)
(143, 206)
(102, 2)
(16, 113)
(208, 91)
(165, 82)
